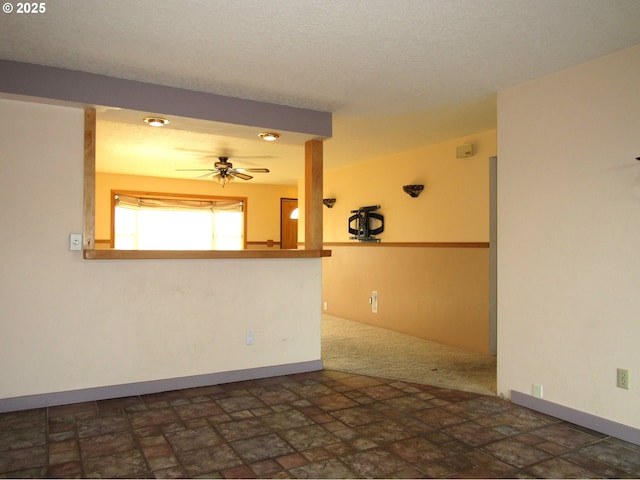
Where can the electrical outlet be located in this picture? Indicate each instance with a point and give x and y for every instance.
(537, 391)
(248, 337)
(325, 305)
(623, 378)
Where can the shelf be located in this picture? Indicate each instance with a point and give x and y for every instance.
(201, 254)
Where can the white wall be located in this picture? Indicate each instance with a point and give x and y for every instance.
(569, 236)
(70, 323)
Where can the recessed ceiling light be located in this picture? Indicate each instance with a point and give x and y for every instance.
(269, 136)
(156, 121)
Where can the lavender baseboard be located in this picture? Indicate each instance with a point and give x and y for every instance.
(587, 420)
(155, 386)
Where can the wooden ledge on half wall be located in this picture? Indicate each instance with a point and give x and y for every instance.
(201, 254)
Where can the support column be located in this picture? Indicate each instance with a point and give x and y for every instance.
(88, 233)
(313, 195)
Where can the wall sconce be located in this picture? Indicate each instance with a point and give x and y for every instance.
(329, 202)
(413, 190)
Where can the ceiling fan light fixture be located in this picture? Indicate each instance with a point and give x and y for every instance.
(269, 136)
(155, 121)
(223, 179)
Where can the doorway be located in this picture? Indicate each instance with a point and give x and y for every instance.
(288, 223)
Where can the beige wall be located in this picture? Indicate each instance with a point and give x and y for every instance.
(436, 293)
(454, 206)
(70, 323)
(263, 201)
(440, 294)
(568, 231)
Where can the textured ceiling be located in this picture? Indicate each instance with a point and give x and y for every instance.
(396, 75)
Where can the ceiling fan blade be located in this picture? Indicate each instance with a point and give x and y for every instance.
(212, 172)
(241, 175)
(255, 170)
(196, 170)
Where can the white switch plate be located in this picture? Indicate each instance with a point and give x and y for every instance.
(248, 338)
(374, 302)
(75, 241)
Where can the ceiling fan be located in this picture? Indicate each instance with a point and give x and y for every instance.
(223, 171)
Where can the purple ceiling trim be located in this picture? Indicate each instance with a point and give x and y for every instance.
(90, 89)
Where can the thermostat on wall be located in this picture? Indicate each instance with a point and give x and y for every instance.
(464, 151)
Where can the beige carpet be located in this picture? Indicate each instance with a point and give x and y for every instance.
(354, 347)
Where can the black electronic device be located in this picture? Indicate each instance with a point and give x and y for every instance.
(365, 223)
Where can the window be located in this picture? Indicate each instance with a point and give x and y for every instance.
(143, 221)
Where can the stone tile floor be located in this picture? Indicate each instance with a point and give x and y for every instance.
(316, 425)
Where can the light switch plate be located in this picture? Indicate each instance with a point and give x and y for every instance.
(75, 241)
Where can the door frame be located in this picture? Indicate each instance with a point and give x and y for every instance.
(493, 256)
